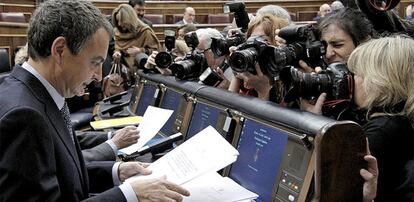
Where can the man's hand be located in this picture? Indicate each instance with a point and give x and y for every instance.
(126, 137)
(129, 169)
(158, 190)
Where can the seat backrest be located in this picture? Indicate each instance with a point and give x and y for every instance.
(218, 18)
(155, 18)
(177, 17)
(4, 60)
(12, 17)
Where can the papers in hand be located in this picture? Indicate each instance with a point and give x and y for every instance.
(153, 120)
(205, 152)
(213, 187)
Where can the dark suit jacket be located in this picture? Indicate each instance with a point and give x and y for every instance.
(38, 159)
(181, 22)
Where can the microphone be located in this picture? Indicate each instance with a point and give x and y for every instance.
(115, 97)
(158, 147)
(115, 109)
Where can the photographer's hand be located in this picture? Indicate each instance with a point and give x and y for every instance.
(316, 108)
(306, 68)
(116, 56)
(151, 60)
(134, 50)
(279, 41)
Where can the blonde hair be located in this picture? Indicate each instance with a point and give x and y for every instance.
(269, 23)
(128, 16)
(181, 47)
(386, 64)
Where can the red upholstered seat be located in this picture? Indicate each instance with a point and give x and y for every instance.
(218, 18)
(12, 17)
(155, 18)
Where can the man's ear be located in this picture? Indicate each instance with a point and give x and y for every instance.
(57, 49)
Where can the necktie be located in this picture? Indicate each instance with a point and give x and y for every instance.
(66, 117)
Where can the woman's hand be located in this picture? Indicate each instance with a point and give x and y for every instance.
(117, 55)
(259, 82)
(314, 108)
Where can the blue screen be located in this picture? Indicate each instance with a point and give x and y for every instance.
(203, 116)
(261, 150)
(147, 99)
(171, 101)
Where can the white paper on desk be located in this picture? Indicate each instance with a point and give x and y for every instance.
(206, 151)
(152, 122)
(213, 187)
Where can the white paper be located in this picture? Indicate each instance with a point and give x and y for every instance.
(213, 187)
(152, 122)
(205, 152)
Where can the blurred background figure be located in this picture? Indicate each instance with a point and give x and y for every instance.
(189, 16)
(324, 10)
(184, 29)
(139, 7)
(336, 6)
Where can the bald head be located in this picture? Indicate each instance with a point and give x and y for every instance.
(189, 15)
(324, 10)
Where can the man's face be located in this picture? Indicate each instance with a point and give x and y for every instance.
(324, 10)
(77, 71)
(340, 44)
(189, 15)
(140, 10)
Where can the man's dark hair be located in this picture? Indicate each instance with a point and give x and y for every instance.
(351, 21)
(136, 2)
(77, 21)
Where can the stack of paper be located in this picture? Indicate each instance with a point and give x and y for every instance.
(116, 122)
(152, 122)
(195, 160)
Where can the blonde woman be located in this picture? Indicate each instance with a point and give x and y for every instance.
(259, 85)
(384, 86)
(131, 35)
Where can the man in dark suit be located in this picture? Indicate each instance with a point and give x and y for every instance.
(40, 158)
(189, 17)
(139, 7)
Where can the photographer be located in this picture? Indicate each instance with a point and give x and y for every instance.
(384, 79)
(258, 84)
(131, 36)
(180, 50)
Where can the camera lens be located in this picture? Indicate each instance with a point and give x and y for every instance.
(183, 69)
(219, 47)
(311, 84)
(163, 60)
(243, 60)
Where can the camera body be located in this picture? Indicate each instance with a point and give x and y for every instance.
(165, 59)
(336, 81)
(240, 14)
(303, 43)
(247, 54)
(191, 39)
(191, 66)
(220, 46)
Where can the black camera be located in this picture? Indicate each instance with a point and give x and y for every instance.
(247, 54)
(140, 60)
(190, 67)
(336, 81)
(220, 46)
(303, 43)
(165, 59)
(191, 39)
(212, 78)
(240, 14)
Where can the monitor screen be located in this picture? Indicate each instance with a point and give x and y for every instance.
(203, 116)
(171, 101)
(147, 99)
(261, 151)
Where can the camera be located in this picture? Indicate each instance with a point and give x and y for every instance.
(336, 81)
(220, 46)
(244, 59)
(303, 44)
(240, 14)
(191, 40)
(212, 78)
(190, 67)
(165, 59)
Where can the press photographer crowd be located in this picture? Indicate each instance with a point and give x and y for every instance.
(354, 62)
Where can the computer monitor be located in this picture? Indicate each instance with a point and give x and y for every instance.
(274, 162)
(147, 98)
(203, 116)
(171, 100)
(261, 149)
